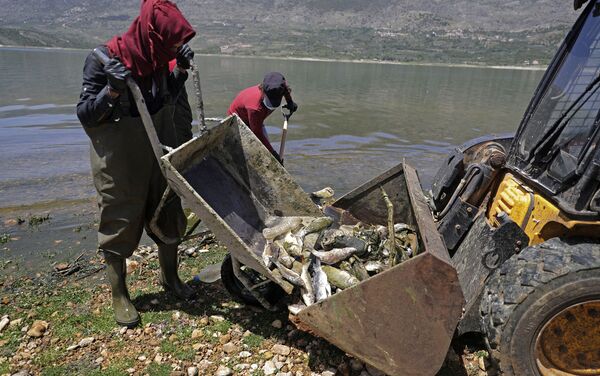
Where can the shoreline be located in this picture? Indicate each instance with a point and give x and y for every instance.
(324, 60)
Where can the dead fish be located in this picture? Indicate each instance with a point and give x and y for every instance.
(335, 255)
(287, 224)
(296, 308)
(321, 286)
(347, 229)
(268, 254)
(374, 266)
(315, 225)
(284, 258)
(307, 293)
(382, 231)
(402, 226)
(310, 240)
(346, 266)
(346, 241)
(339, 278)
(328, 238)
(289, 275)
(326, 192)
(359, 270)
(297, 267)
(293, 245)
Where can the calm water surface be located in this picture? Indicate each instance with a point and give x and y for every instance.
(355, 120)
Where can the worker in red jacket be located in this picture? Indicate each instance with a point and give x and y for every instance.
(254, 104)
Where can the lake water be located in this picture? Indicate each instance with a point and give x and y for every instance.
(355, 121)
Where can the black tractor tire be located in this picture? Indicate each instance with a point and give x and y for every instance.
(272, 292)
(528, 291)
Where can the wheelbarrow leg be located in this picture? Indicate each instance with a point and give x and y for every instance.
(237, 271)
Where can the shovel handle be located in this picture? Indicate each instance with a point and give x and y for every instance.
(157, 148)
(283, 136)
(199, 101)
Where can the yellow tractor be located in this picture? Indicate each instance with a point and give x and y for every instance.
(521, 218)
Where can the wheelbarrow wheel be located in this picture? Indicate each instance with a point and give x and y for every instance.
(270, 291)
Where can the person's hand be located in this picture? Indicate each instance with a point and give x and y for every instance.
(116, 74)
(276, 155)
(291, 106)
(184, 56)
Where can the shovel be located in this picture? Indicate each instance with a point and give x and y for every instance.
(286, 117)
(199, 101)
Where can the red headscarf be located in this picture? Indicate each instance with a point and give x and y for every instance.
(147, 46)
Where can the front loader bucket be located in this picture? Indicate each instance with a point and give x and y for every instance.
(400, 321)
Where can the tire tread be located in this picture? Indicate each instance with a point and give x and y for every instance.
(523, 274)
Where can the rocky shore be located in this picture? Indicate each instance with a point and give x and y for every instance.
(61, 323)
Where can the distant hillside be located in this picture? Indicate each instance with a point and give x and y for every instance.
(485, 31)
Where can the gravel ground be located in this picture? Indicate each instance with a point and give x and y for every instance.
(61, 323)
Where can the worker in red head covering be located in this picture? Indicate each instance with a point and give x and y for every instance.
(126, 174)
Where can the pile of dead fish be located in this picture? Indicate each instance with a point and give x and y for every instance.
(320, 257)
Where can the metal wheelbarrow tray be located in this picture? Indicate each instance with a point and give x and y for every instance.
(400, 321)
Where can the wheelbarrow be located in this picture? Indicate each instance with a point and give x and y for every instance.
(400, 321)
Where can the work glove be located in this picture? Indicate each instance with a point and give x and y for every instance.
(276, 155)
(116, 74)
(184, 56)
(291, 106)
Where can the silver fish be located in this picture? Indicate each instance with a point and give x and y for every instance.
(268, 254)
(315, 225)
(296, 308)
(283, 257)
(326, 192)
(335, 255)
(310, 241)
(374, 266)
(289, 275)
(358, 269)
(287, 224)
(339, 278)
(293, 244)
(402, 226)
(321, 286)
(347, 229)
(328, 237)
(308, 295)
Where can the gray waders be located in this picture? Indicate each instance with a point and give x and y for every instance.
(130, 186)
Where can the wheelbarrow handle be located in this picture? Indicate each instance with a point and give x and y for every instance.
(157, 147)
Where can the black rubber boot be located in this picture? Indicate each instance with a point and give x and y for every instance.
(168, 259)
(125, 312)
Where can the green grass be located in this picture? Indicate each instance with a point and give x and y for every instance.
(253, 340)
(47, 358)
(117, 368)
(4, 368)
(36, 220)
(4, 238)
(220, 327)
(55, 371)
(178, 351)
(154, 369)
(156, 317)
